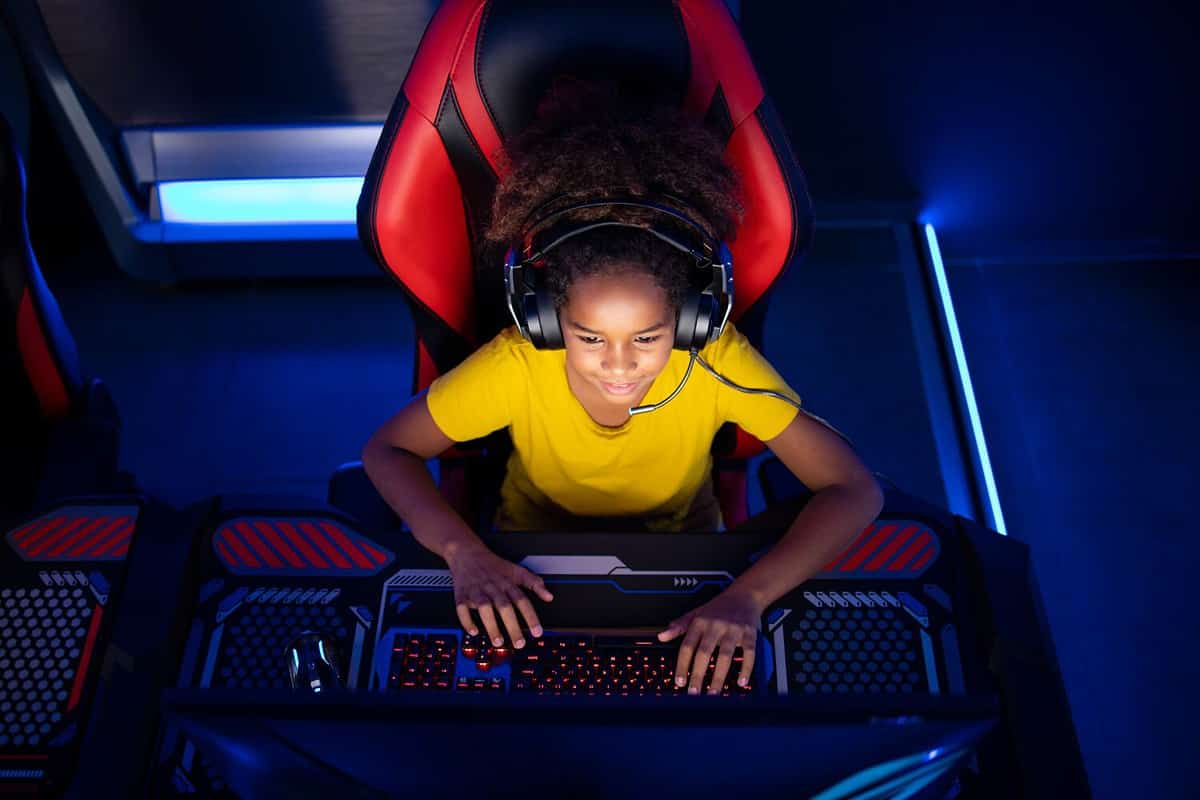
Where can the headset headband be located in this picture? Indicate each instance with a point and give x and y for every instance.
(703, 259)
(702, 316)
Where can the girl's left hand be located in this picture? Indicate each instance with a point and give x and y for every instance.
(728, 621)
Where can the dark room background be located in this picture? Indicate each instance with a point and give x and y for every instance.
(1053, 147)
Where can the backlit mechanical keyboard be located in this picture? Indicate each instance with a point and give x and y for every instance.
(555, 664)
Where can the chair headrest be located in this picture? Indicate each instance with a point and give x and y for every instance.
(521, 48)
(475, 81)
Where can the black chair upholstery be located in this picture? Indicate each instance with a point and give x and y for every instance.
(60, 430)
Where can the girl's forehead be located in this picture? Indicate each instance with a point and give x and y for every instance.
(630, 300)
(626, 284)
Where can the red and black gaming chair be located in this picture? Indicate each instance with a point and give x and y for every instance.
(61, 431)
(475, 81)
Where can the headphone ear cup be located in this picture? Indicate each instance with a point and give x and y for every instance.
(695, 321)
(552, 336)
(706, 319)
(685, 323)
(544, 330)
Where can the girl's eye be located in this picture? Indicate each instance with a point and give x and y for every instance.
(639, 340)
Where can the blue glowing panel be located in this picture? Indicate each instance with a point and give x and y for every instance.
(260, 202)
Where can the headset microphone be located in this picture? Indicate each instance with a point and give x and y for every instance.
(633, 412)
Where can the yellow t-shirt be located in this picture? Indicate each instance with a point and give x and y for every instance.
(563, 460)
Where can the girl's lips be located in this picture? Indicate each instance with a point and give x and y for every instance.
(618, 388)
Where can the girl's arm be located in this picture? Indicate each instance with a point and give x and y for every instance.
(846, 500)
(485, 583)
(394, 459)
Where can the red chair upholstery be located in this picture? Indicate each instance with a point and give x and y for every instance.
(60, 431)
(475, 81)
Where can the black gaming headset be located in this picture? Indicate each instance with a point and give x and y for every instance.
(702, 316)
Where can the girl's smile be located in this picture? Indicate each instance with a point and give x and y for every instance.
(620, 388)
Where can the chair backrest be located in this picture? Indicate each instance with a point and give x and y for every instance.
(39, 365)
(476, 79)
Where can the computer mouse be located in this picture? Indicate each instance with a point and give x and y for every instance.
(312, 662)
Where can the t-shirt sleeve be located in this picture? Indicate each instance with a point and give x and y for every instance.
(761, 416)
(476, 397)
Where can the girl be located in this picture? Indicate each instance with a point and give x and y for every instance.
(581, 459)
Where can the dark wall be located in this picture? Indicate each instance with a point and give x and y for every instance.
(1017, 129)
(237, 61)
(1053, 148)
(1087, 389)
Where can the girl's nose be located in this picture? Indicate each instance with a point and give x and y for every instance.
(617, 359)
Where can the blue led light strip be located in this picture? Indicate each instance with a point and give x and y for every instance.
(255, 209)
(269, 201)
(985, 463)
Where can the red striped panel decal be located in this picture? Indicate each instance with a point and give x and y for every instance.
(33, 528)
(297, 538)
(71, 540)
(375, 555)
(53, 538)
(226, 556)
(91, 544)
(347, 546)
(328, 549)
(889, 551)
(923, 559)
(114, 542)
(315, 546)
(260, 549)
(895, 548)
(275, 541)
(76, 533)
(908, 554)
(875, 541)
(239, 548)
(44, 527)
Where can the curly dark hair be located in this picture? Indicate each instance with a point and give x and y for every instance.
(589, 142)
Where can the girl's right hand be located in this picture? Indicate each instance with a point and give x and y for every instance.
(490, 585)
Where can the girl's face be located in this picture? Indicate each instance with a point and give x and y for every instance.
(618, 331)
